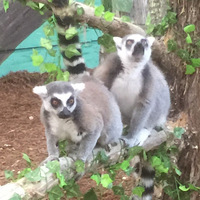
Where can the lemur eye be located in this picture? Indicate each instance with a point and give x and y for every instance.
(144, 42)
(55, 102)
(130, 42)
(70, 101)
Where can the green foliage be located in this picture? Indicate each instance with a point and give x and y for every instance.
(5, 5)
(104, 179)
(99, 11)
(16, 197)
(80, 11)
(107, 42)
(27, 159)
(178, 132)
(71, 51)
(118, 190)
(102, 157)
(55, 193)
(109, 16)
(90, 195)
(34, 175)
(37, 59)
(62, 147)
(138, 191)
(190, 49)
(125, 19)
(158, 30)
(70, 33)
(80, 166)
(9, 174)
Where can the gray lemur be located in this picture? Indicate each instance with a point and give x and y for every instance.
(85, 113)
(139, 87)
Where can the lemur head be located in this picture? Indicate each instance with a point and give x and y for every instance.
(134, 48)
(59, 97)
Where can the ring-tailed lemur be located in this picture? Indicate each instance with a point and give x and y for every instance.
(138, 85)
(84, 113)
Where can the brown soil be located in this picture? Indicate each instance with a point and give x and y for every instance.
(22, 132)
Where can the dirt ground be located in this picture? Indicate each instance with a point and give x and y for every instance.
(22, 132)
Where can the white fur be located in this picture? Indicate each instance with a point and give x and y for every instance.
(147, 182)
(139, 138)
(64, 97)
(78, 86)
(65, 129)
(40, 90)
(74, 63)
(124, 86)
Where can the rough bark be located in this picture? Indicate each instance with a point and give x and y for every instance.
(188, 92)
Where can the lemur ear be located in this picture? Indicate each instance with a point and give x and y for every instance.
(78, 86)
(40, 90)
(118, 42)
(151, 40)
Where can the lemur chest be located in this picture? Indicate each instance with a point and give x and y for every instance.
(65, 129)
(126, 89)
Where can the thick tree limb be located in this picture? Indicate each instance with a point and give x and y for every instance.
(30, 190)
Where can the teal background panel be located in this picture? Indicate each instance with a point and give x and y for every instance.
(20, 59)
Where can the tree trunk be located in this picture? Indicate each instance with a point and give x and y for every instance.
(187, 89)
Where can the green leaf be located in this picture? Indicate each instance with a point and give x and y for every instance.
(195, 62)
(183, 54)
(106, 181)
(189, 28)
(183, 188)
(90, 195)
(53, 166)
(118, 190)
(190, 69)
(172, 45)
(99, 11)
(16, 197)
(171, 17)
(24, 172)
(52, 52)
(102, 157)
(71, 51)
(178, 172)
(80, 166)
(72, 189)
(70, 33)
(5, 5)
(61, 178)
(26, 158)
(125, 18)
(89, 2)
(138, 191)
(34, 175)
(9, 174)
(188, 39)
(178, 132)
(41, 5)
(124, 197)
(80, 11)
(36, 59)
(96, 178)
(155, 161)
(107, 41)
(108, 16)
(193, 187)
(46, 43)
(125, 164)
(66, 75)
(50, 67)
(48, 30)
(62, 144)
(55, 193)
(133, 151)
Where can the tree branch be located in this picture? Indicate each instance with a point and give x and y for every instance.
(37, 190)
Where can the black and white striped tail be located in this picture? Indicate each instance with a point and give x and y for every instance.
(75, 64)
(147, 181)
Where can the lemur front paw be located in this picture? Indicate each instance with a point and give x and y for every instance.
(136, 140)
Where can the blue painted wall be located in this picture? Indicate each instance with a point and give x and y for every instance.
(20, 59)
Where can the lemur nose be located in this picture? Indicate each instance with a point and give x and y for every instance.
(65, 113)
